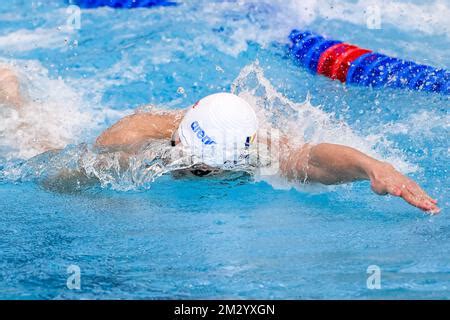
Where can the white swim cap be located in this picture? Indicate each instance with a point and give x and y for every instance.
(218, 129)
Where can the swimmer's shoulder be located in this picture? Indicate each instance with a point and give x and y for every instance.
(140, 126)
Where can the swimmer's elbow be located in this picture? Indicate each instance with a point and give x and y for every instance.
(103, 140)
(106, 139)
(109, 140)
(112, 138)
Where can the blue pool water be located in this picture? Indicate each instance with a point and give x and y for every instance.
(219, 238)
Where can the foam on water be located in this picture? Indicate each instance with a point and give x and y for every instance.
(429, 17)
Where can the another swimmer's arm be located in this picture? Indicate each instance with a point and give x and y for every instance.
(10, 88)
(334, 164)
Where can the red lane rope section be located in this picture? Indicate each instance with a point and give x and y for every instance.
(329, 56)
(336, 60)
(343, 62)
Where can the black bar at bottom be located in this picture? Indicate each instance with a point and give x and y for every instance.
(225, 309)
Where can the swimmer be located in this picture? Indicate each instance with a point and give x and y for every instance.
(220, 128)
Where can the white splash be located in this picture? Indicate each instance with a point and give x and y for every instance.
(306, 123)
(54, 114)
(26, 40)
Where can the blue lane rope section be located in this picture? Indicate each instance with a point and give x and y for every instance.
(370, 69)
(125, 4)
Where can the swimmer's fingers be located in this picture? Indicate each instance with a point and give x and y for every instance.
(386, 180)
(415, 189)
(411, 199)
(418, 201)
(427, 202)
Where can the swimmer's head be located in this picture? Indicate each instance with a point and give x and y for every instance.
(218, 129)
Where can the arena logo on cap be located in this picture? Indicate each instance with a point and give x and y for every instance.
(200, 133)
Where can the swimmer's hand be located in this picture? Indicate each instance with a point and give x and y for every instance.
(386, 180)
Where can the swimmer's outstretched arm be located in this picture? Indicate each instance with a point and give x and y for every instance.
(334, 164)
